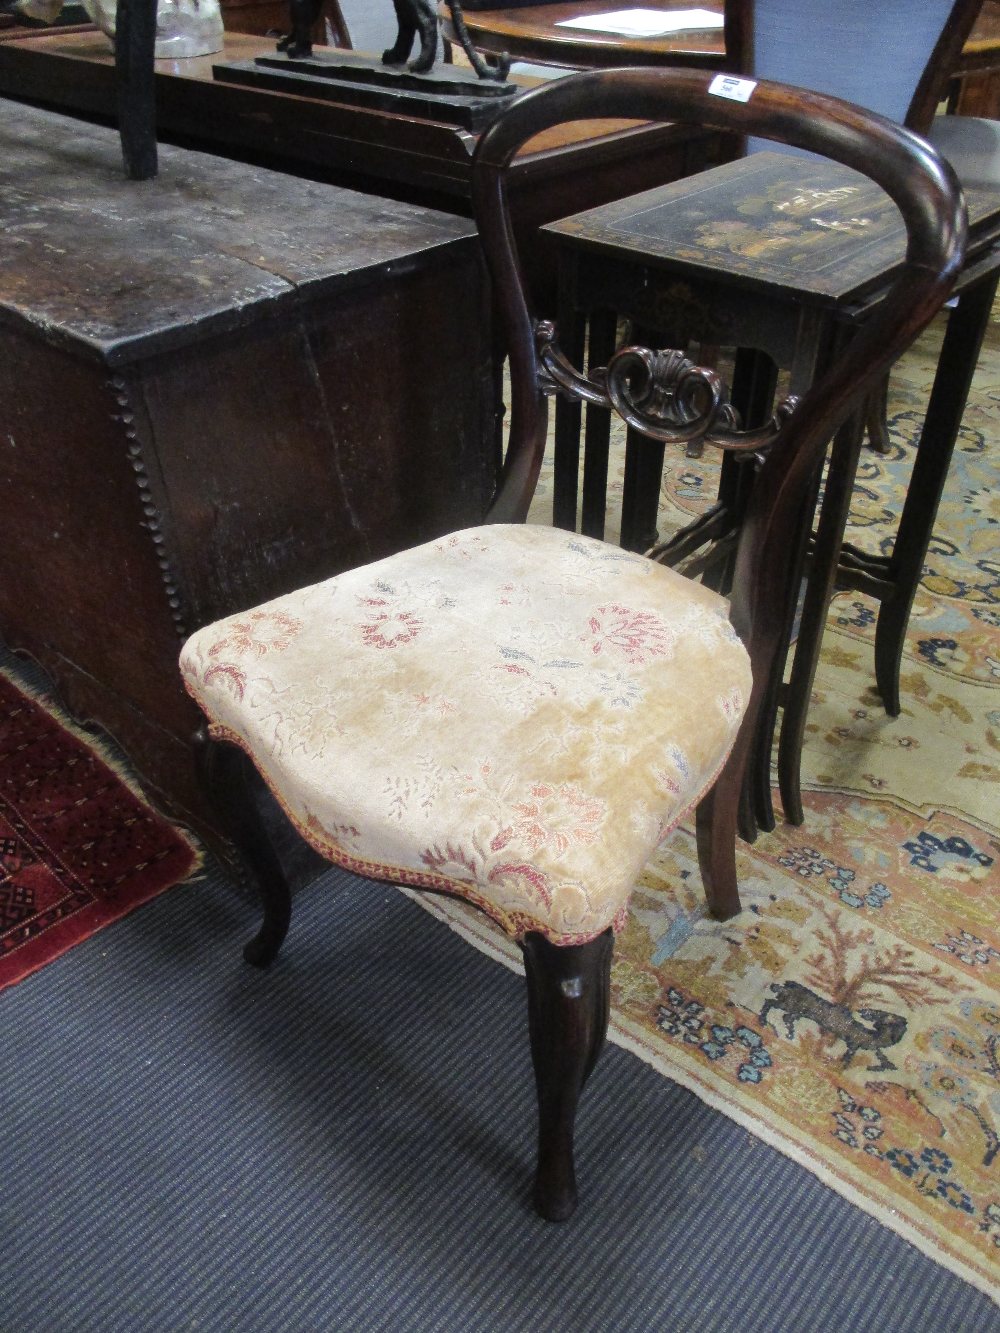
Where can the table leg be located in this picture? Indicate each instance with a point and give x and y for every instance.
(566, 456)
(819, 589)
(643, 473)
(597, 437)
(967, 324)
(641, 491)
(755, 378)
(816, 342)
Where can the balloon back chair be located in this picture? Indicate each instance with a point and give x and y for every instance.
(517, 715)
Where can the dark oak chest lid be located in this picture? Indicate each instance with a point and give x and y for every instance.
(120, 269)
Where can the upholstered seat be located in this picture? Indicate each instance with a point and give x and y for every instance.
(513, 714)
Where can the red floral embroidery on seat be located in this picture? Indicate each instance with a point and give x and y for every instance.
(525, 877)
(556, 817)
(639, 635)
(732, 704)
(233, 675)
(453, 861)
(261, 632)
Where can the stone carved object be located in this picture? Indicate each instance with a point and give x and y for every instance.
(183, 27)
(415, 19)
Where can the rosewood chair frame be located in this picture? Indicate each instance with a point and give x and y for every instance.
(568, 987)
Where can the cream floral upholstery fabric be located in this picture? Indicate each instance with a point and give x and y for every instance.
(513, 713)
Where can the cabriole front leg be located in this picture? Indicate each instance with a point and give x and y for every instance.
(568, 1003)
(227, 774)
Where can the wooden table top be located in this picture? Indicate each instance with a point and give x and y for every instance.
(981, 52)
(985, 35)
(74, 71)
(531, 34)
(813, 231)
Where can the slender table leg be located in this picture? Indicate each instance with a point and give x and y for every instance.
(597, 437)
(643, 473)
(641, 488)
(755, 377)
(566, 455)
(816, 342)
(963, 340)
(819, 589)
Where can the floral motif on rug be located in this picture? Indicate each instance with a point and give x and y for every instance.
(850, 1015)
(78, 848)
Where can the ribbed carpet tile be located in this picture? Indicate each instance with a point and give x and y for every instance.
(344, 1143)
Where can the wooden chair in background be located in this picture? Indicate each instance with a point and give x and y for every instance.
(517, 715)
(894, 58)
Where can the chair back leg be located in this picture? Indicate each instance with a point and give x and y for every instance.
(715, 829)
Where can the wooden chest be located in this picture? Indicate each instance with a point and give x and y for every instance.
(214, 386)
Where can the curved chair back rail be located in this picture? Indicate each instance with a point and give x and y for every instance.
(917, 179)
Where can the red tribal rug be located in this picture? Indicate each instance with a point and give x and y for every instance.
(78, 848)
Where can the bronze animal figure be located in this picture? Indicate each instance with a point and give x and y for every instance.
(413, 18)
(798, 1001)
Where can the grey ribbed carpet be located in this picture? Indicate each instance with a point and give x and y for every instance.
(345, 1143)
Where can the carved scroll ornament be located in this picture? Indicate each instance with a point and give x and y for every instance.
(660, 393)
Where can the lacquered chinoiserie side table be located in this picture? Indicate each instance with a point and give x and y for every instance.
(779, 257)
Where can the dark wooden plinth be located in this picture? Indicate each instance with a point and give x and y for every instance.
(449, 94)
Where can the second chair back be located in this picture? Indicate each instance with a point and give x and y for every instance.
(893, 57)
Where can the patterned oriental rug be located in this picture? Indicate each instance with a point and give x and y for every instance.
(850, 1016)
(78, 847)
